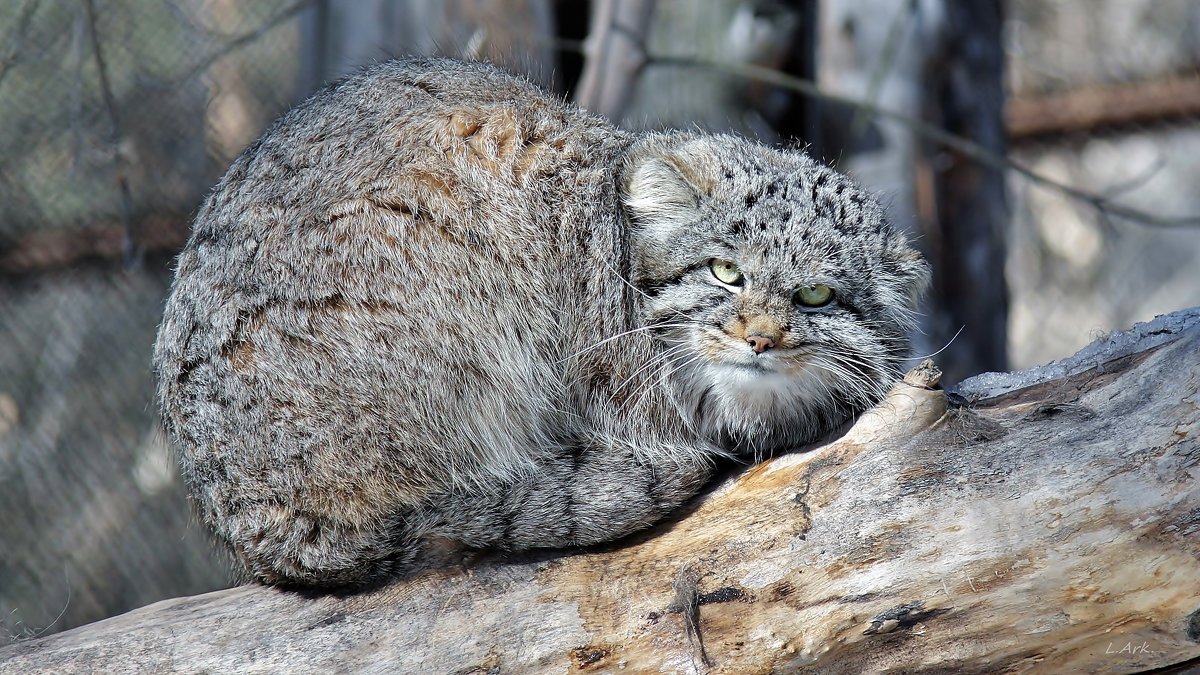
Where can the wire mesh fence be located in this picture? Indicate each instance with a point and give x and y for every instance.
(117, 115)
(118, 110)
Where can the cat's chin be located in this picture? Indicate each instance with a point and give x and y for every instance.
(755, 406)
(758, 390)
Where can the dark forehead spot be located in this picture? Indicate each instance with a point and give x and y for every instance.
(738, 226)
(751, 200)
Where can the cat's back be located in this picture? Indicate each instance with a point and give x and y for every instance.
(397, 251)
(428, 138)
(404, 168)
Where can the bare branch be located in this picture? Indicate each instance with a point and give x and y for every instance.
(966, 147)
(244, 39)
(57, 249)
(131, 251)
(1140, 179)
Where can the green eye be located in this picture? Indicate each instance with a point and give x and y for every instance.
(817, 295)
(726, 272)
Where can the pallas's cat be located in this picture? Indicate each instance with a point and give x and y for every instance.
(435, 304)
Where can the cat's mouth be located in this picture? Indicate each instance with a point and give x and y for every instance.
(725, 350)
(792, 361)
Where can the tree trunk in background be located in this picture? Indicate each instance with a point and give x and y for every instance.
(1036, 522)
(615, 52)
(802, 118)
(929, 58)
(340, 35)
(966, 94)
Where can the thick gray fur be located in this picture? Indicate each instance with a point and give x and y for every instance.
(435, 304)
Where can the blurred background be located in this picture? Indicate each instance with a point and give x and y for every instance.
(1045, 155)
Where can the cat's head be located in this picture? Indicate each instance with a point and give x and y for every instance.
(782, 294)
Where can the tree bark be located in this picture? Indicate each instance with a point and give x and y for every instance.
(1042, 521)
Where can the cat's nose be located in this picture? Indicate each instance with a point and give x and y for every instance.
(760, 343)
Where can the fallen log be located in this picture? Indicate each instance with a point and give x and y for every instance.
(1042, 521)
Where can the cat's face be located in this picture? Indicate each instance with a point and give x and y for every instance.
(781, 294)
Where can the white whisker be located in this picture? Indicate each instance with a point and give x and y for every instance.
(944, 347)
(621, 335)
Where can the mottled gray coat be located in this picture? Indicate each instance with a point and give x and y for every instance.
(433, 303)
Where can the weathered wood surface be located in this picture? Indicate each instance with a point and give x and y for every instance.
(1048, 521)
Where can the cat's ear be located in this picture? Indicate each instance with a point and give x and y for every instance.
(904, 277)
(663, 183)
